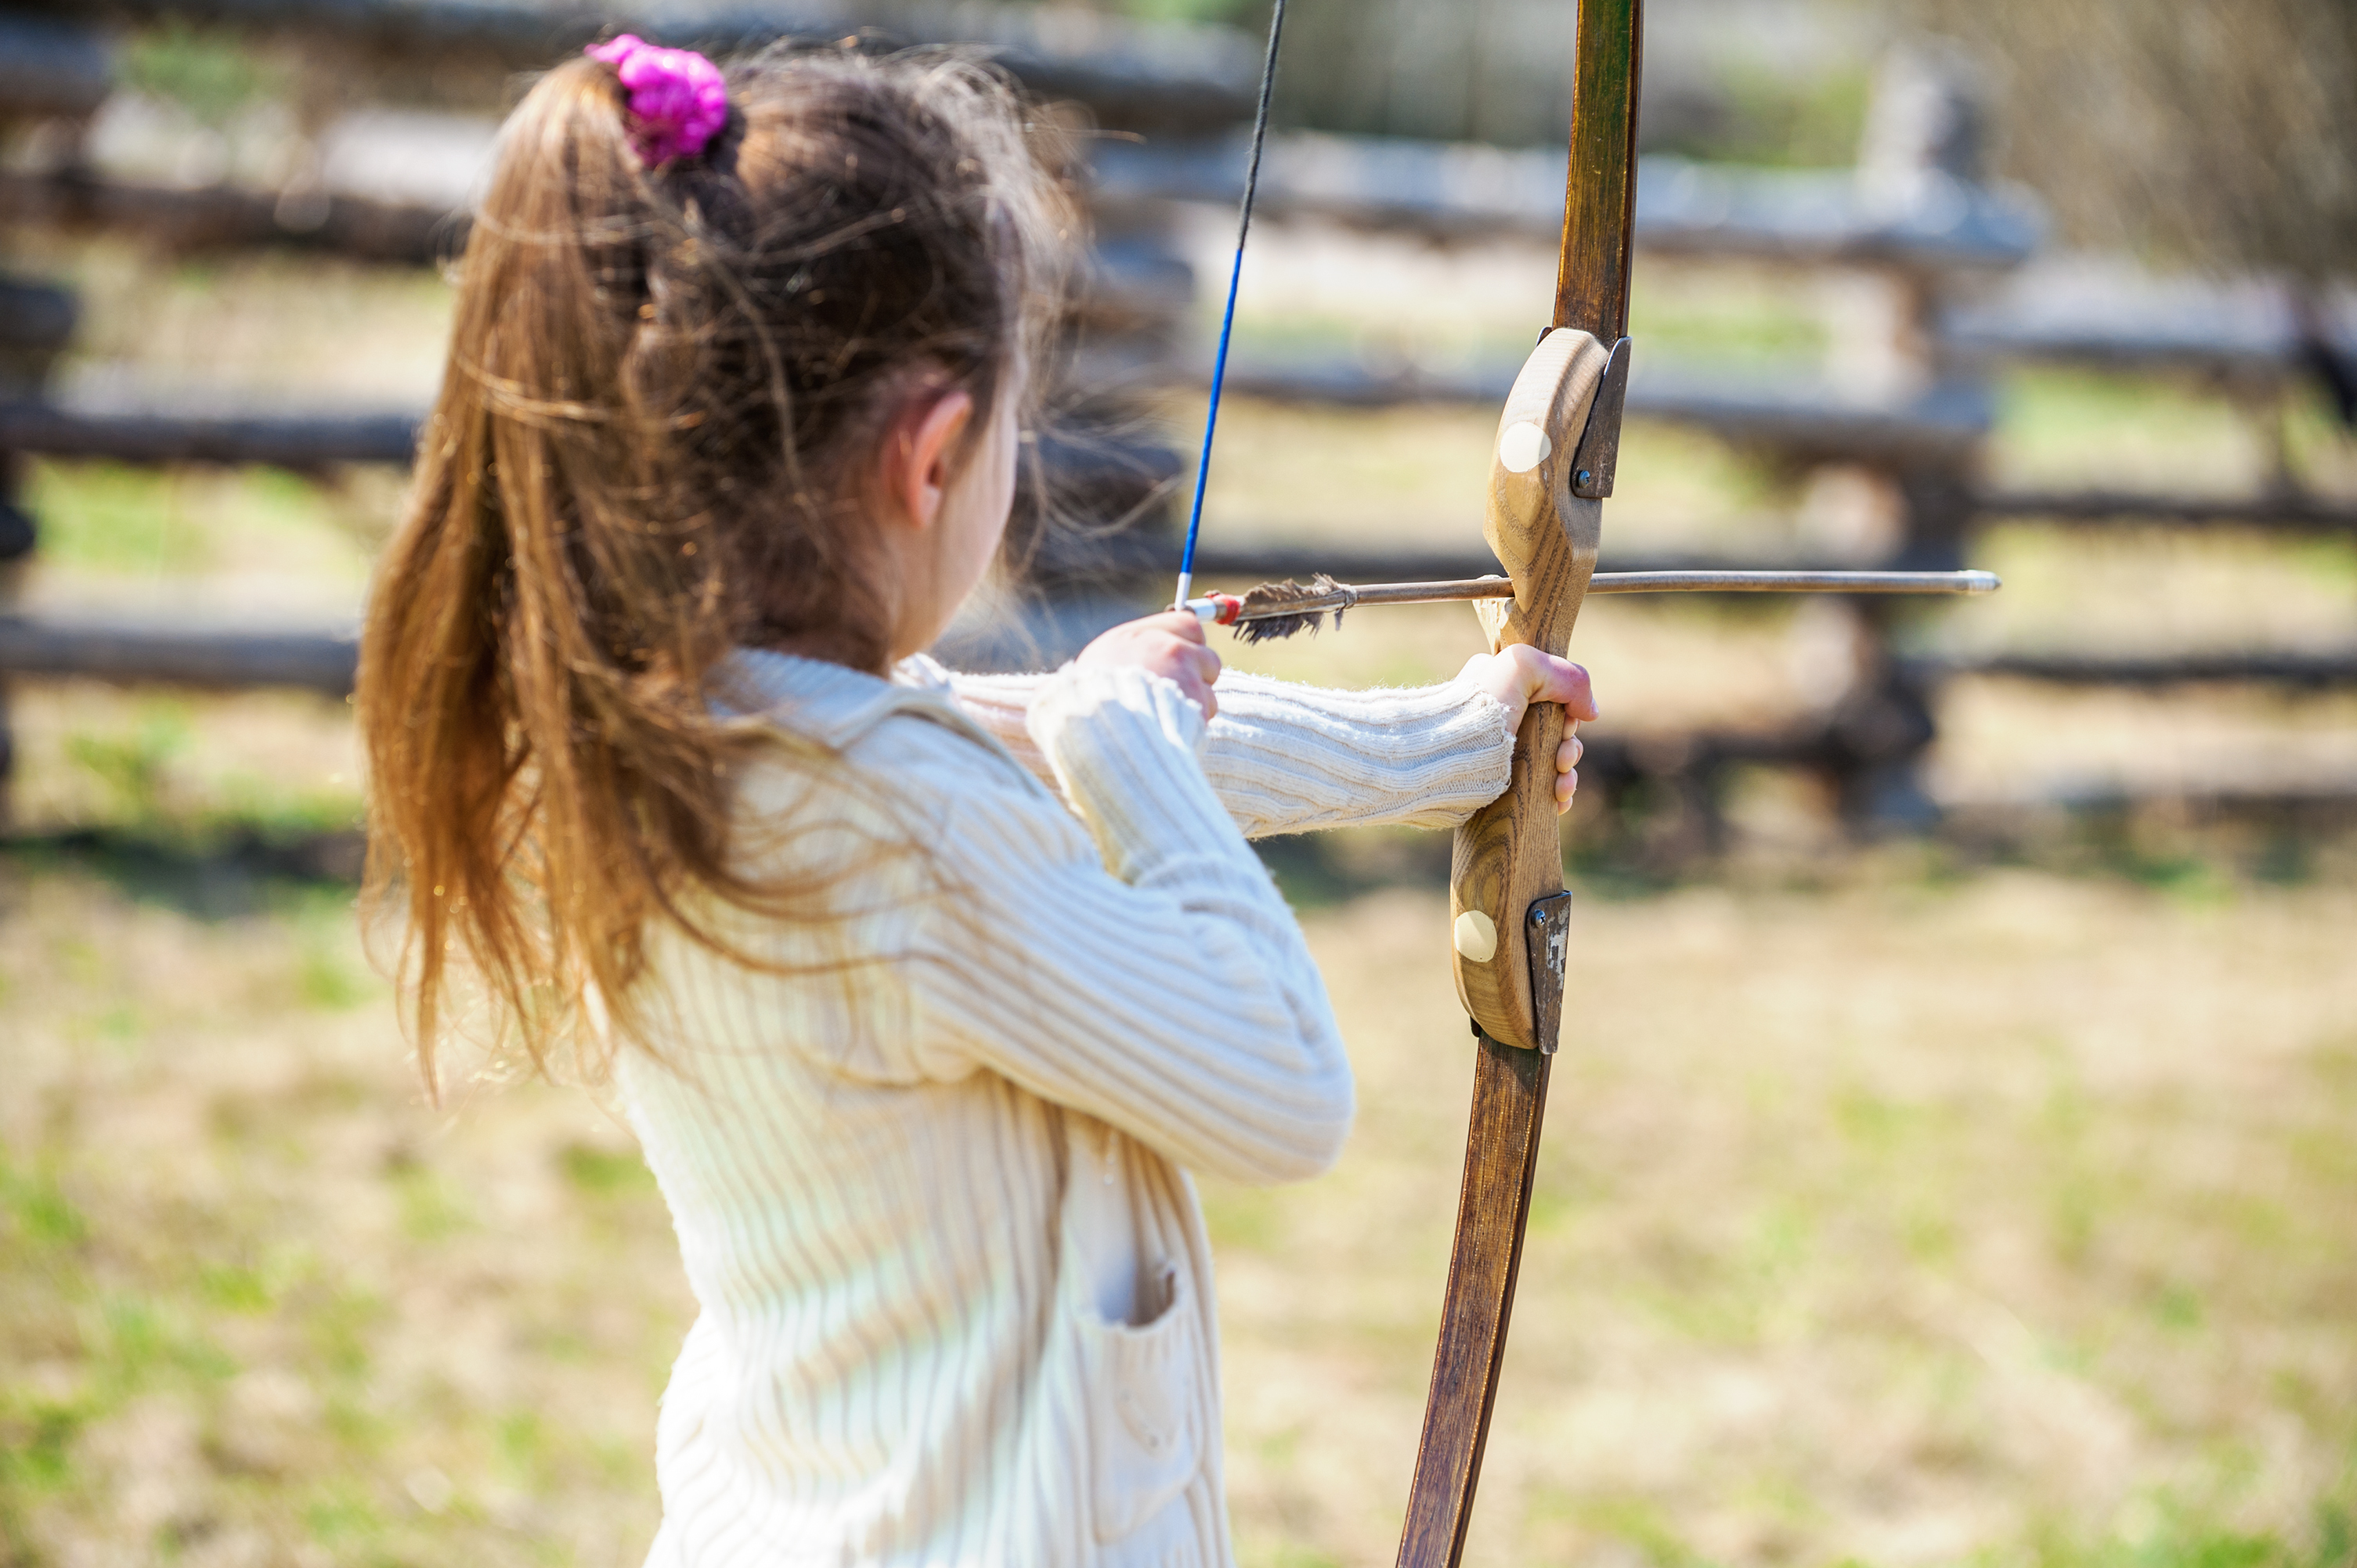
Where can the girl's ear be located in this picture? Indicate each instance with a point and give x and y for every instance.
(919, 452)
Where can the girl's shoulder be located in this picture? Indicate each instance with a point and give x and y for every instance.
(906, 741)
(869, 770)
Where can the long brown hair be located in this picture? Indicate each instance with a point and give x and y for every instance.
(646, 454)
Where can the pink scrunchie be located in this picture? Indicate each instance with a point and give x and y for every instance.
(677, 98)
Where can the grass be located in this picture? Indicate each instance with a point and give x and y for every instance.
(110, 522)
(1922, 1214)
(244, 328)
(256, 1297)
(179, 777)
(212, 73)
(1890, 1221)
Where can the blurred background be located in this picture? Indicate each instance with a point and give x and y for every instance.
(1954, 1157)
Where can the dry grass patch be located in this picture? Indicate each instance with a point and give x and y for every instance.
(261, 1304)
(2002, 1216)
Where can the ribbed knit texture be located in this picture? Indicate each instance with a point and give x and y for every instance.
(956, 1300)
(1286, 759)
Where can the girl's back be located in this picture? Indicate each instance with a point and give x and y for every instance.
(952, 1311)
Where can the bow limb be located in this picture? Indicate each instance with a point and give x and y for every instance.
(1551, 466)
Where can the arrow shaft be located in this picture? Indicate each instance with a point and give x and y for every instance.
(1276, 602)
(1228, 314)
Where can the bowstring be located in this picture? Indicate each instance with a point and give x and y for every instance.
(1228, 316)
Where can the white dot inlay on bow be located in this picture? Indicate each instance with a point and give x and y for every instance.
(1523, 447)
(1476, 936)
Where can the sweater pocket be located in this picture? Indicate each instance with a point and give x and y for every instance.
(1142, 1404)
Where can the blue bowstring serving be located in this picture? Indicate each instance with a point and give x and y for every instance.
(1228, 316)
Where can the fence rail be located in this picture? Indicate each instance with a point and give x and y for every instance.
(223, 218)
(1812, 218)
(1809, 424)
(279, 440)
(1133, 75)
(2285, 511)
(2320, 671)
(145, 654)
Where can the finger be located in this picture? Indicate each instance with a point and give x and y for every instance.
(1196, 689)
(1567, 755)
(1566, 785)
(1207, 670)
(1561, 680)
(1184, 625)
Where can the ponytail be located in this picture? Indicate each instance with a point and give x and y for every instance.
(644, 455)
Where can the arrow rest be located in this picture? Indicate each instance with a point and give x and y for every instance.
(1548, 931)
(1598, 454)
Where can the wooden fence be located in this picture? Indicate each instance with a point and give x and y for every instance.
(1915, 216)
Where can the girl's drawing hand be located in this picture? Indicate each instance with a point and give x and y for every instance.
(1519, 675)
(1170, 645)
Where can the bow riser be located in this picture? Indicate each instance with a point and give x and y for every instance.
(1509, 854)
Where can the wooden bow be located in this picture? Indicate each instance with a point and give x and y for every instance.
(1557, 440)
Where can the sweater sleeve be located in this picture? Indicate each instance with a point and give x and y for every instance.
(1155, 978)
(1286, 758)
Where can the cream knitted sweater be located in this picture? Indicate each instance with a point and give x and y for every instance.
(956, 1293)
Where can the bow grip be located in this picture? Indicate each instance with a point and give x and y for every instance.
(1509, 854)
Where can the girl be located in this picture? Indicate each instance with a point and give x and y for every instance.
(923, 992)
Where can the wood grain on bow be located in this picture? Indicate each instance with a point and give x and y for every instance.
(1558, 438)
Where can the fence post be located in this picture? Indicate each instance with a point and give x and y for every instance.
(53, 77)
(36, 321)
(1924, 144)
(15, 543)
